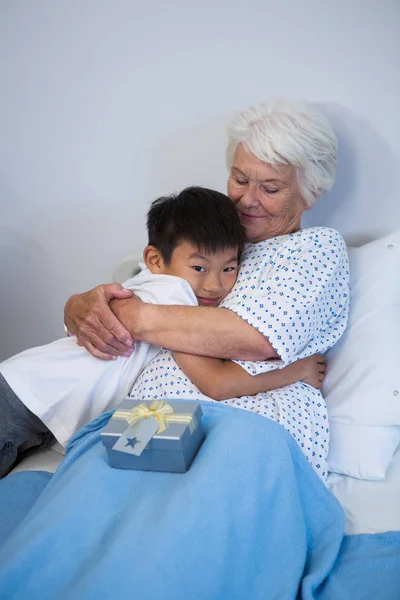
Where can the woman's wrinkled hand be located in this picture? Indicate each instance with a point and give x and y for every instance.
(89, 317)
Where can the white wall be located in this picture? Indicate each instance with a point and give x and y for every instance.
(106, 104)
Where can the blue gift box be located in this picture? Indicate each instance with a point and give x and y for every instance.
(154, 436)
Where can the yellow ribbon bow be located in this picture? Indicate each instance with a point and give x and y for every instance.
(159, 410)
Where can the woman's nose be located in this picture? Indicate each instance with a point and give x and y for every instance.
(250, 196)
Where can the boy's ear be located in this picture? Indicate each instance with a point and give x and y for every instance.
(153, 260)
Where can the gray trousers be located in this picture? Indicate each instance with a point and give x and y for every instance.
(21, 432)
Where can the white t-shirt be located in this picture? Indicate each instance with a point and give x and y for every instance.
(66, 387)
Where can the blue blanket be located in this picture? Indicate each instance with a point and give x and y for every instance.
(18, 493)
(250, 520)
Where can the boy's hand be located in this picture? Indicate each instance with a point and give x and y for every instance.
(312, 370)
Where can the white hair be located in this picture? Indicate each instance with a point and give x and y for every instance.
(293, 133)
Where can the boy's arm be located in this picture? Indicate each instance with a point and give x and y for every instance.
(223, 379)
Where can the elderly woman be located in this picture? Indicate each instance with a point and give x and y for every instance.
(291, 297)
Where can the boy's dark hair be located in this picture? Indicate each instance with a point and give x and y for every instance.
(203, 217)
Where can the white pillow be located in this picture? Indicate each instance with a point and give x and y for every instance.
(362, 387)
(360, 451)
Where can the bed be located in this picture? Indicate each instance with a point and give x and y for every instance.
(362, 394)
(371, 501)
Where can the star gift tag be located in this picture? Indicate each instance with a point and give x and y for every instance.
(136, 437)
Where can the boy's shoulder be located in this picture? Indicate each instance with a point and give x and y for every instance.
(161, 288)
(146, 277)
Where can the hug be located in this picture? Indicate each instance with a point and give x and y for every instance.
(235, 309)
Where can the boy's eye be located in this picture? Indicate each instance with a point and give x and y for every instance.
(230, 269)
(198, 269)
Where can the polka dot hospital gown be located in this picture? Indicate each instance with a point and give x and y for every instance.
(295, 290)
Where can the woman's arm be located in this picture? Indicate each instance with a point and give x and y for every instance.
(107, 333)
(215, 332)
(221, 379)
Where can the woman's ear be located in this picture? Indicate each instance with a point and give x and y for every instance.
(309, 206)
(153, 260)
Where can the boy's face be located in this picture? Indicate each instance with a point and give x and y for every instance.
(211, 275)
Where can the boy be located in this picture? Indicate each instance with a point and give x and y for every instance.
(193, 255)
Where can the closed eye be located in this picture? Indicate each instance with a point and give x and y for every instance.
(269, 190)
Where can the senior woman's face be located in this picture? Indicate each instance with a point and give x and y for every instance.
(267, 197)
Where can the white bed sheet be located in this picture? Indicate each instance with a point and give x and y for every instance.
(370, 506)
(43, 460)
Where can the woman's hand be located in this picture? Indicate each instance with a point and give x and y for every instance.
(89, 317)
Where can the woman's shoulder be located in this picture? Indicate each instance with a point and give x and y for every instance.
(309, 234)
(314, 240)
(318, 237)
(315, 233)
